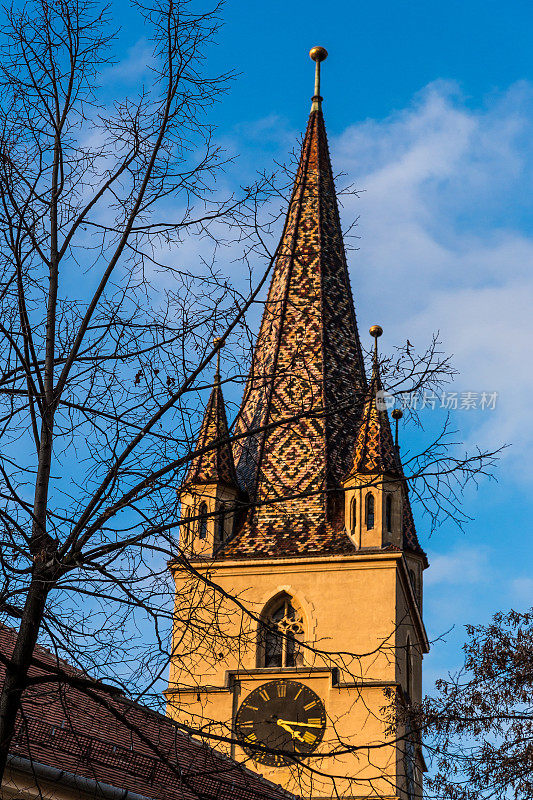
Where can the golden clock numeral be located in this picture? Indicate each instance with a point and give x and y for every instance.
(265, 695)
(310, 738)
(254, 708)
(246, 725)
(314, 721)
(282, 690)
(297, 695)
(310, 705)
(251, 737)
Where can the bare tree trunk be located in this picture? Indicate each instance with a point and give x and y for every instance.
(15, 681)
(41, 543)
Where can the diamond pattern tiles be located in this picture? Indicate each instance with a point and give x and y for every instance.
(213, 458)
(305, 392)
(375, 452)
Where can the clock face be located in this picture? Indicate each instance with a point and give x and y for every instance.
(282, 715)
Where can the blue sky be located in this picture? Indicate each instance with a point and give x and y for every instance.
(429, 110)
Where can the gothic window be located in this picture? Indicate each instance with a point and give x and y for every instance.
(369, 511)
(353, 514)
(388, 513)
(281, 630)
(186, 527)
(202, 521)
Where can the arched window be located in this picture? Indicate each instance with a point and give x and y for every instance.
(353, 514)
(221, 522)
(388, 513)
(186, 527)
(280, 631)
(408, 669)
(202, 521)
(369, 511)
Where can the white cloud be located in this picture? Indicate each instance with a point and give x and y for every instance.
(447, 242)
(131, 69)
(464, 566)
(521, 591)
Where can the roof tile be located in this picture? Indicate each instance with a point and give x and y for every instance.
(103, 736)
(212, 461)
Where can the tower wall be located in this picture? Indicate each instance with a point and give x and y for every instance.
(352, 605)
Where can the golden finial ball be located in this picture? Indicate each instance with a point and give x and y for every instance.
(376, 331)
(397, 413)
(217, 341)
(318, 53)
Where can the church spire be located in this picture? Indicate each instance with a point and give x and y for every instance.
(375, 451)
(212, 462)
(304, 394)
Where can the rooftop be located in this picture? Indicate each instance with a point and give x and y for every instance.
(86, 729)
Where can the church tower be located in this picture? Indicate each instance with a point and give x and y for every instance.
(301, 538)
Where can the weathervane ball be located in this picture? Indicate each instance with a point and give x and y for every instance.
(318, 53)
(375, 331)
(397, 413)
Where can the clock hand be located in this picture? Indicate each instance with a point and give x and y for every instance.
(302, 724)
(287, 727)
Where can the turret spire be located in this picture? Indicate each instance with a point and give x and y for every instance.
(212, 462)
(210, 492)
(374, 447)
(376, 457)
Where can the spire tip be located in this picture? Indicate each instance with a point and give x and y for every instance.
(397, 414)
(218, 342)
(375, 331)
(317, 54)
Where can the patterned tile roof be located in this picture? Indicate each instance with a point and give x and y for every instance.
(306, 408)
(375, 452)
(213, 458)
(100, 734)
(307, 380)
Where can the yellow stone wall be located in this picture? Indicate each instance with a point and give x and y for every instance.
(359, 604)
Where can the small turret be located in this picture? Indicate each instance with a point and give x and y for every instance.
(374, 500)
(210, 491)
